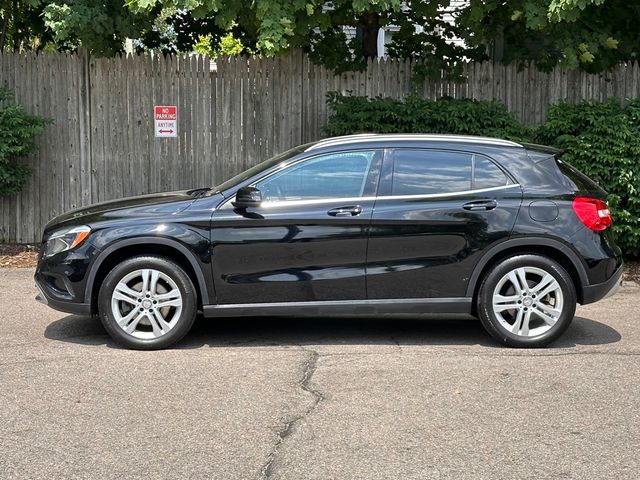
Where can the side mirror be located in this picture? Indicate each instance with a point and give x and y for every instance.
(247, 197)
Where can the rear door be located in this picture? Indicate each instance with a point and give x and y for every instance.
(437, 211)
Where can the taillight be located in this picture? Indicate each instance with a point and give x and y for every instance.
(593, 212)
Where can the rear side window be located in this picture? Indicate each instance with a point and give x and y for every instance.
(575, 178)
(424, 172)
(487, 174)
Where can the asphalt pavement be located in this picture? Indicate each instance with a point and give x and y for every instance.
(317, 398)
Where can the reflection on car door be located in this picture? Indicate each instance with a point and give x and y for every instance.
(435, 213)
(307, 240)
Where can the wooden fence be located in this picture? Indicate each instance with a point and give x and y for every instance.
(101, 145)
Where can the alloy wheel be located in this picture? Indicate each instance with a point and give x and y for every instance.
(146, 303)
(528, 301)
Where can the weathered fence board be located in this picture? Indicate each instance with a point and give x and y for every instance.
(101, 144)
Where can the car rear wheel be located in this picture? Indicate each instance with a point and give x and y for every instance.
(527, 301)
(147, 303)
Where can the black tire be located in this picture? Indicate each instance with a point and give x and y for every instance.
(183, 321)
(494, 326)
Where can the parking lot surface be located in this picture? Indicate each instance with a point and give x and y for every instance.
(317, 398)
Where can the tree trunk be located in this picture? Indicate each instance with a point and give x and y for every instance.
(5, 24)
(14, 34)
(369, 25)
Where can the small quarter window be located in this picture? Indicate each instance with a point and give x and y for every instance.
(486, 174)
(424, 172)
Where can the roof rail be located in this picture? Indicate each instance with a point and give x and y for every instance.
(366, 137)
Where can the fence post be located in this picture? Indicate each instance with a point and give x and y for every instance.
(84, 103)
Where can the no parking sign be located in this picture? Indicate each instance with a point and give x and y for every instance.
(165, 120)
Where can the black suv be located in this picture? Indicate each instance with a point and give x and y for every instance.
(358, 225)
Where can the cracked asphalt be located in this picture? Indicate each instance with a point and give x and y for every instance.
(317, 399)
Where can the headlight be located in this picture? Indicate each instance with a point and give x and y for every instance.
(65, 239)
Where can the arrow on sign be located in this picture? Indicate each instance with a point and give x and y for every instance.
(165, 131)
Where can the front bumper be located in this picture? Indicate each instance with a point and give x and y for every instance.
(62, 305)
(62, 279)
(593, 293)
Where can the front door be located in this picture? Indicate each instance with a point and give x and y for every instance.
(307, 240)
(436, 212)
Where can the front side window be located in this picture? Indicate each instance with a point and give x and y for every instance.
(424, 172)
(334, 175)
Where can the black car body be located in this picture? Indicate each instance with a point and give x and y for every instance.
(406, 224)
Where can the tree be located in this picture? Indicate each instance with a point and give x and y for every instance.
(271, 27)
(22, 25)
(592, 35)
(266, 27)
(101, 26)
(423, 33)
(588, 34)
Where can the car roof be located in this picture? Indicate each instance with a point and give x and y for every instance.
(409, 138)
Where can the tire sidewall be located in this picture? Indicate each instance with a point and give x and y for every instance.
(177, 274)
(485, 300)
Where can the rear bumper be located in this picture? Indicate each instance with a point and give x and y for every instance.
(593, 293)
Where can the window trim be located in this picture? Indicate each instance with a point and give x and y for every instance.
(428, 196)
(345, 200)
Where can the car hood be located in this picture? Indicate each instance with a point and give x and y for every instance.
(168, 203)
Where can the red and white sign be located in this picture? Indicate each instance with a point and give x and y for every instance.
(165, 120)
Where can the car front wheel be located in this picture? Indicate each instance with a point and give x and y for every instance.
(526, 301)
(147, 303)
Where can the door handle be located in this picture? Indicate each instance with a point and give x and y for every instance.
(480, 205)
(350, 211)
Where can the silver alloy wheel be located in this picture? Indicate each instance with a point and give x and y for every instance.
(146, 303)
(528, 301)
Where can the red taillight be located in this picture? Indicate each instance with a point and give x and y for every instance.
(593, 212)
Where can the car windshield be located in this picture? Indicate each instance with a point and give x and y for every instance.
(241, 177)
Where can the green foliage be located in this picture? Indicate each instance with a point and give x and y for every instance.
(265, 27)
(589, 34)
(416, 115)
(100, 26)
(17, 132)
(592, 35)
(433, 45)
(603, 141)
(420, 31)
(227, 46)
(22, 26)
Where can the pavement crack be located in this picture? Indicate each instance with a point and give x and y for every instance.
(308, 369)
